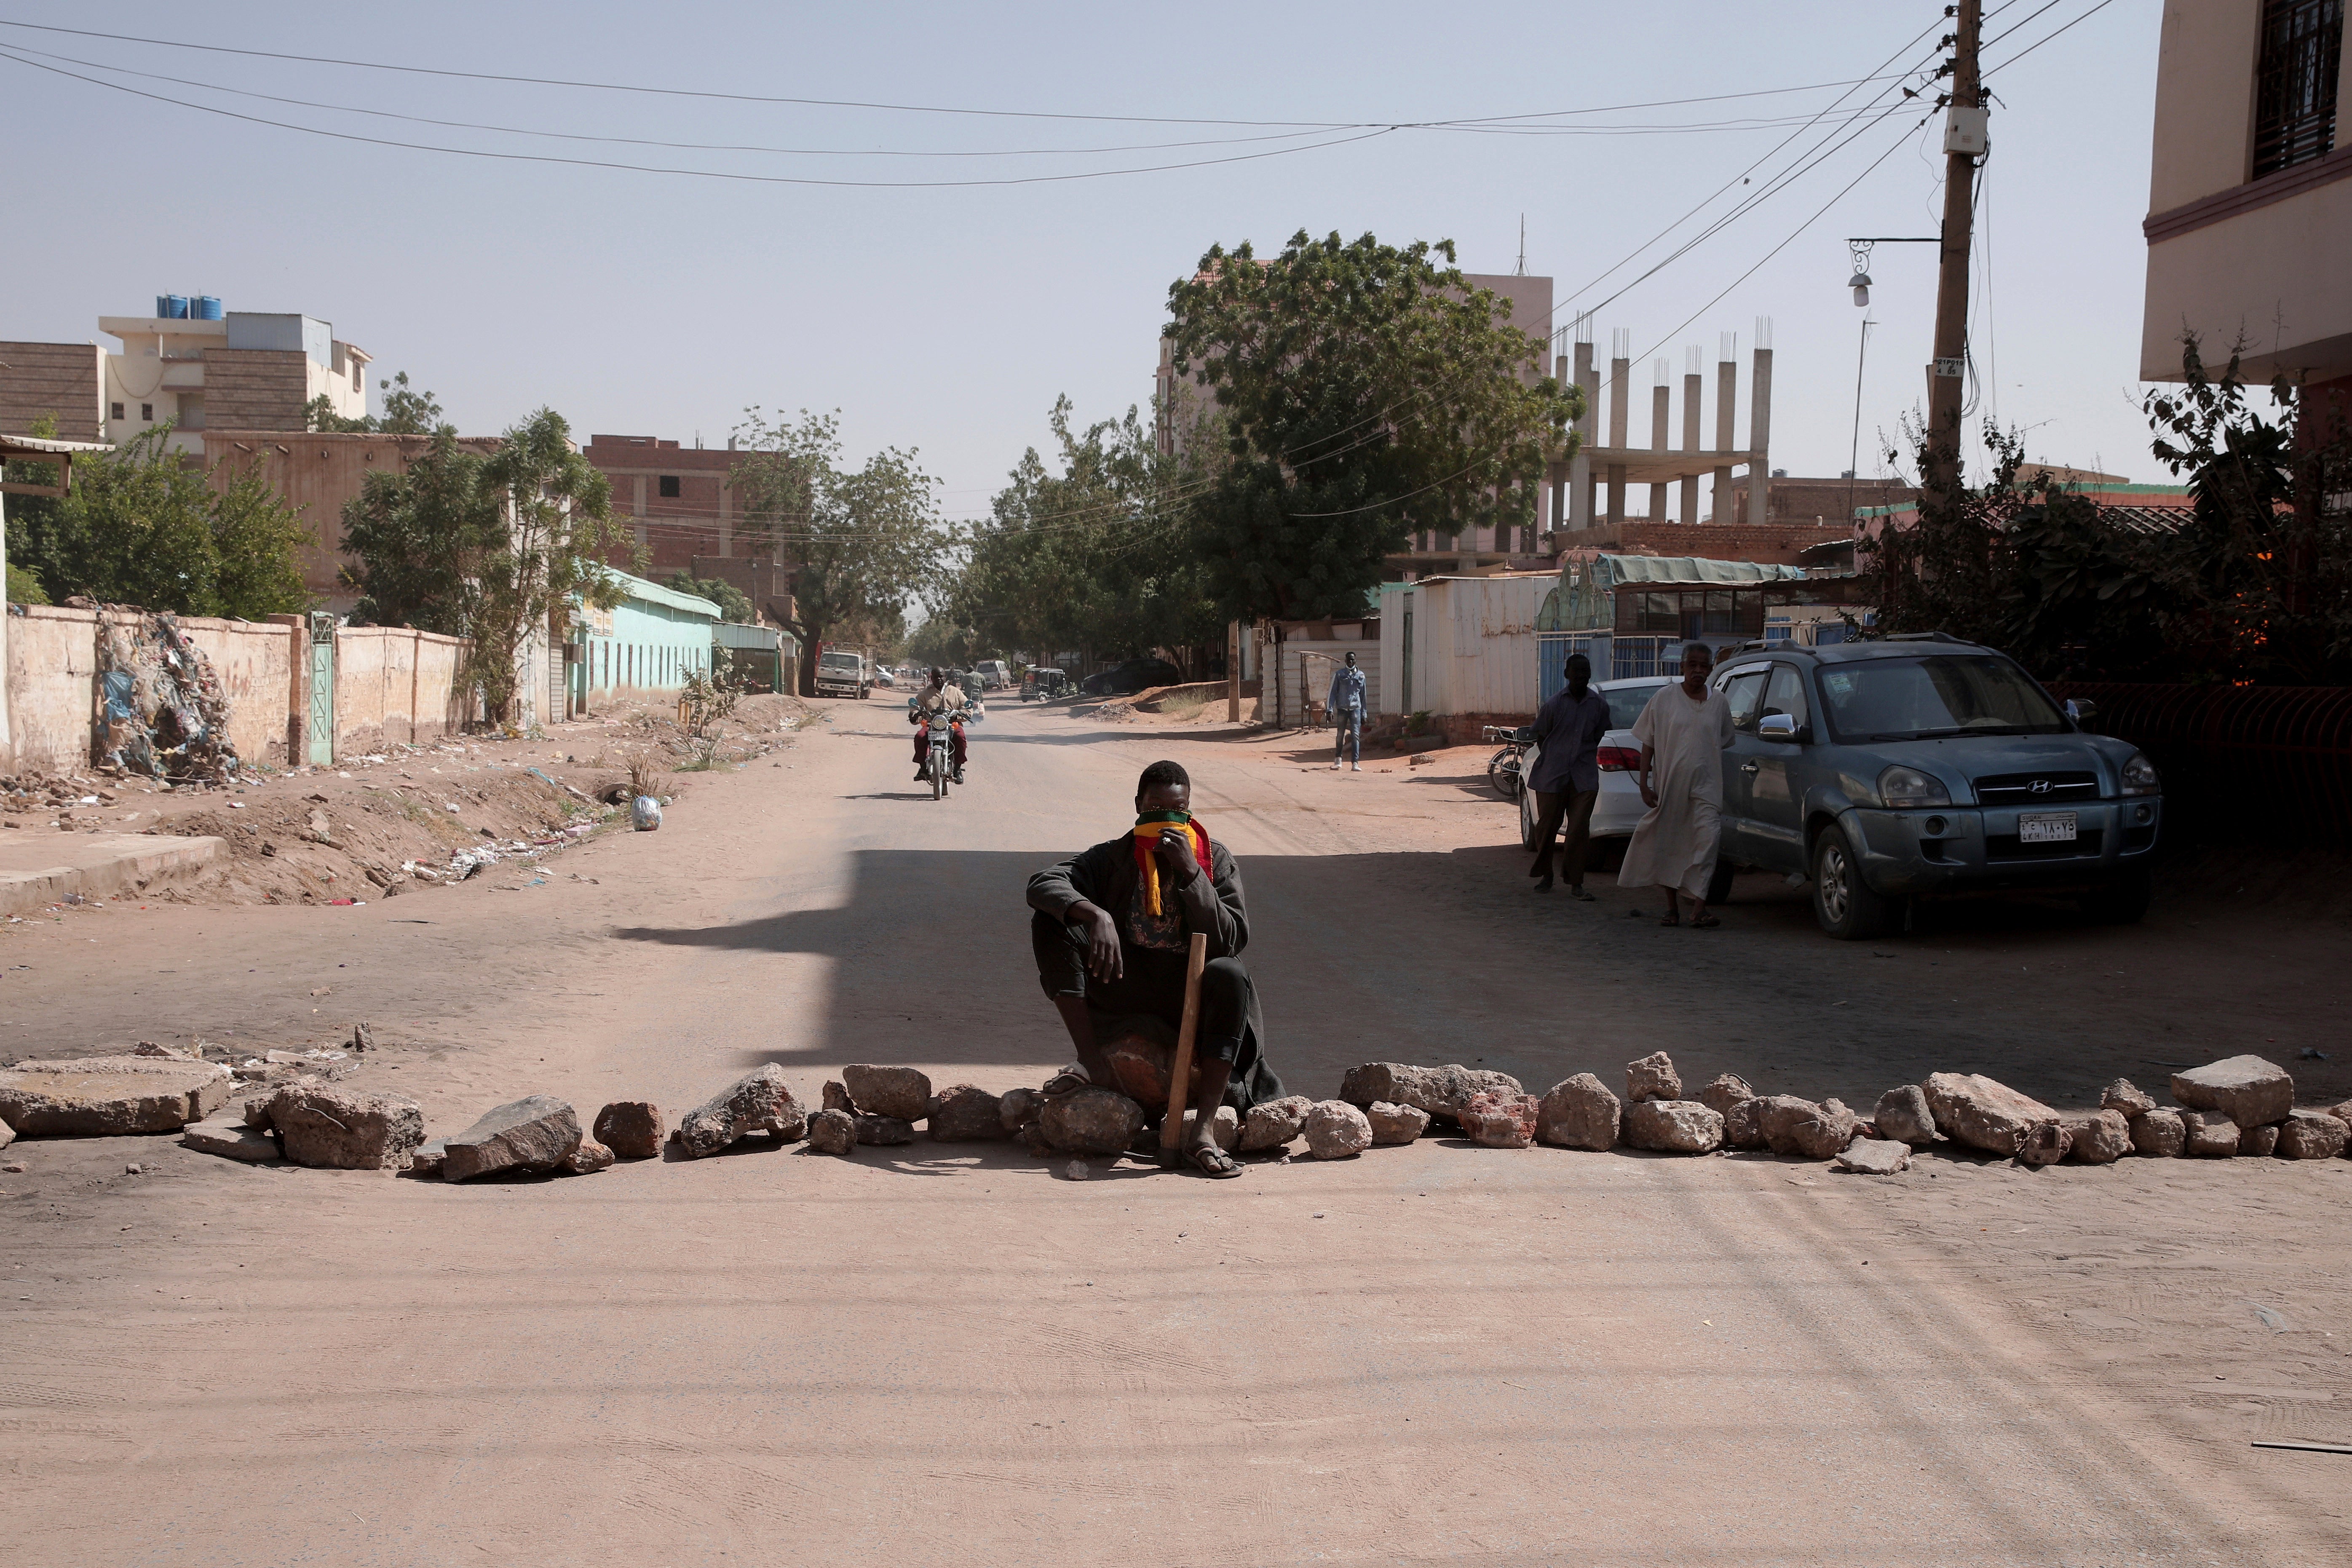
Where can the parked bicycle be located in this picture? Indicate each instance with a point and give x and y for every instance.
(1503, 769)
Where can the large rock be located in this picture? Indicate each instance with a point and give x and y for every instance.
(328, 1125)
(901, 1092)
(2209, 1135)
(1777, 1116)
(1018, 1110)
(966, 1113)
(538, 1133)
(631, 1129)
(1441, 1091)
(831, 1133)
(1823, 1133)
(1652, 1078)
(2044, 1143)
(2124, 1096)
(1974, 1109)
(1673, 1126)
(2260, 1141)
(874, 1132)
(1335, 1130)
(110, 1097)
(425, 1159)
(1876, 1157)
(230, 1137)
(757, 1102)
(2097, 1137)
(1276, 1123)
(1500, 1121)
(1743, 1125)
(2312, 1135)
(2157, 1134)
(1723, 1091)
(1394, 1124)
(1140, 1069)
(1579, 1114)
(1904, 1116)
(2249, 1090)
(1091, 1120)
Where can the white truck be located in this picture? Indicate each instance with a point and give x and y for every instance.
(841, 673)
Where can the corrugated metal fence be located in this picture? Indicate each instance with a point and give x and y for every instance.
(2270, 763)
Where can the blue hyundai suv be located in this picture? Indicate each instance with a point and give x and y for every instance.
(1919, 765)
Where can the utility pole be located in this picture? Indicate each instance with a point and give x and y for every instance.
(1964, 142)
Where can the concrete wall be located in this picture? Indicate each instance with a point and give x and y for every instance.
(393, 684)
(643, 649)
(61, 379)
(53, 683)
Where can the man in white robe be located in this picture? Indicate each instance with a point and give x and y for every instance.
(1683, 733)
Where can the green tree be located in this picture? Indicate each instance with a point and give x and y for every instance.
(734, 605)
(32, 523)
(863, 542)
(406, 412)
(418, 534)
(1367, 393)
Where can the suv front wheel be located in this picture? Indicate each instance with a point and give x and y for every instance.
(1844, 904)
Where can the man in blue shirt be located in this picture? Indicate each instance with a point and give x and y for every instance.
(1567, 776)
(1347, 706)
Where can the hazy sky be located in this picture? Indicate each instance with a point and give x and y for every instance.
(949, 318)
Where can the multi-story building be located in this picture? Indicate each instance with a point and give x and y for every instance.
(682, 500)
(206, 368)
(2250, 195)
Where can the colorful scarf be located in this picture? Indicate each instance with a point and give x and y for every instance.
(1146, 834)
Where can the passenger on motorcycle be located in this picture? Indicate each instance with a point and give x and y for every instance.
(938, 696)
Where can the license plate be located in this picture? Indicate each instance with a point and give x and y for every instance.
(2045, 827)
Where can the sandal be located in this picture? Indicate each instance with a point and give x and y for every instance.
(1670, 919)
(1069, 1080)
(1213, 1162)
(1704, 922)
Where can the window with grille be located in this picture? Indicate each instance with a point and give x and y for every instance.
(2295, 94)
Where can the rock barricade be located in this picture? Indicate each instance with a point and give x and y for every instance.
(966, 1113)
(1336, 1129)
(1743, 1124)
(229, 1137)
(1875, 1157)
(2312, 1135)
(1825, 1133)
(2210, 1136)
(1091, 1120)
(1395, 1124)
(631, 1129)
(875, 1131)
(335, 1128)
(1276, 1123)
(1579, 1114)
(1983, 1113)
(2157, 1134)
(899, 1092)
(1500, 1121)
(2097, 1137)
(2044, 1143)
(1441, 1091)
(1673, 1126)
(534, 1134)
(757, 1102)
(1904, 1115)
(831, 1133)
(2124, 1096)
(588, 1159)
(110, 1097)
(1723, 1091)
(2249, 1090)
(1652, 1078)
(2261, 1141)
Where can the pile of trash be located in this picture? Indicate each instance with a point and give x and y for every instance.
(166, 715)
(463, 863)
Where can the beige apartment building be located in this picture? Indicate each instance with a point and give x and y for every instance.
(2250, 203)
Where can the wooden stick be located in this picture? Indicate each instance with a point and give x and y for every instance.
(1180, 1076)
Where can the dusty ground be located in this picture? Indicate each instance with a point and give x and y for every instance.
(940, 1354)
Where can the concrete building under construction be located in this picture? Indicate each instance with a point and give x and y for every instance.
(1590, 490)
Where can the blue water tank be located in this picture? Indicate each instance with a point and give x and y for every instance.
(207, 309)
(173, 307)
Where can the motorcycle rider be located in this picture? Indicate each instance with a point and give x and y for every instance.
(937, 698)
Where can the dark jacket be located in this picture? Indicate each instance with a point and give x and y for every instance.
(1569, 731)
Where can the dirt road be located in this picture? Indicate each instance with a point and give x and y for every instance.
(944, 1355)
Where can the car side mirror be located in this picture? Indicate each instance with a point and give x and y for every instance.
(2082, 710)
(1779, 727)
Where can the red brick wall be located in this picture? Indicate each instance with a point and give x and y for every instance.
(1801, 500)
(677, 528)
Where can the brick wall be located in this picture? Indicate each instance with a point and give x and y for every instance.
(1794, 500)
(255, 389)
(62, 379)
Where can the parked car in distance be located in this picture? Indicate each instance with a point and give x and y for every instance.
(882, 676)
(1919, 764)
(1620, 806)
(840, 673)
(1135, 675)
(1045, 684)
(995, 675)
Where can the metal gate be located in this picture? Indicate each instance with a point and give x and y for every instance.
(321, 727)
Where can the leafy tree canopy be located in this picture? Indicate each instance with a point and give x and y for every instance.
(406, 412)
(734, 605)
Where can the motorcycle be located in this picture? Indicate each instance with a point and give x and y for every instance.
(939, 757)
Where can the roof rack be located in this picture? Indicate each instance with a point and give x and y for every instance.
(1921, 637)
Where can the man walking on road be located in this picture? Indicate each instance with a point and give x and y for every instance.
(1682, 732)
(1347, 706)
(1567, 777)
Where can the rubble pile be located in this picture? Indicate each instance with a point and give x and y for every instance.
(166, 714)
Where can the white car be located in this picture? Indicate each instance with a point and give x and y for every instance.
(1620, 806)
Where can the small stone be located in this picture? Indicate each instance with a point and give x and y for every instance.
(1825, 1133)
(757, 1102)
(1091, 1120)
(425, 1159)
(1336, 1129)
(1674, 1126)
(836, 1097)
(1875, 1157)
(537, 1133)
(2097, 1137)
(588, 1159)
(1500, 1121)
(831, 1133)
(2044, 1143)
(1981, 1112)
(1904, 1115)
(2249, 1090)
(135, 1170)
(1441, 1091)
(2342, 1112)
(2210, 1136)
(1652, 1077)
(1018, 1110)
(110, 1097)
(1394, 1124)
(230, 1137)
(1725, 1090)
(1580, 1113)
(1274, 1124)
(257, 1109)
(877, 1131)
(2157, 1134)
(364, 1034)
(7, 1135)
(966, 1113)
(326, 1125)
(631, 1129)
(14, 1167)
(899, 1092)
(2259, 1141)
(2121, 1095)
(2312, 1135)
(1743, 1125)
(1076, 1171)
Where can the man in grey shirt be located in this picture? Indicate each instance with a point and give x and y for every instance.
(1347, 706)
(1567, 776)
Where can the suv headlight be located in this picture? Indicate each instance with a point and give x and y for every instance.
(2139, 776)
(1900, 788)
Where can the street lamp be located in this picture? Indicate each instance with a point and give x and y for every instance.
(1860, 284)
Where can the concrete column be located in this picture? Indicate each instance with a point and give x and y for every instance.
(726, 518)
(1620, 349)
(637, 509)
(1760, 427)
(1557, 516)
(1690, 434)
(1661, 413)
(1580, 471)
(1727, 399)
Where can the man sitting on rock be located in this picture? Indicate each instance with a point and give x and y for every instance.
(1112, 929)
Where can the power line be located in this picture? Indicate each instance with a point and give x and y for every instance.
(2029, 49)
